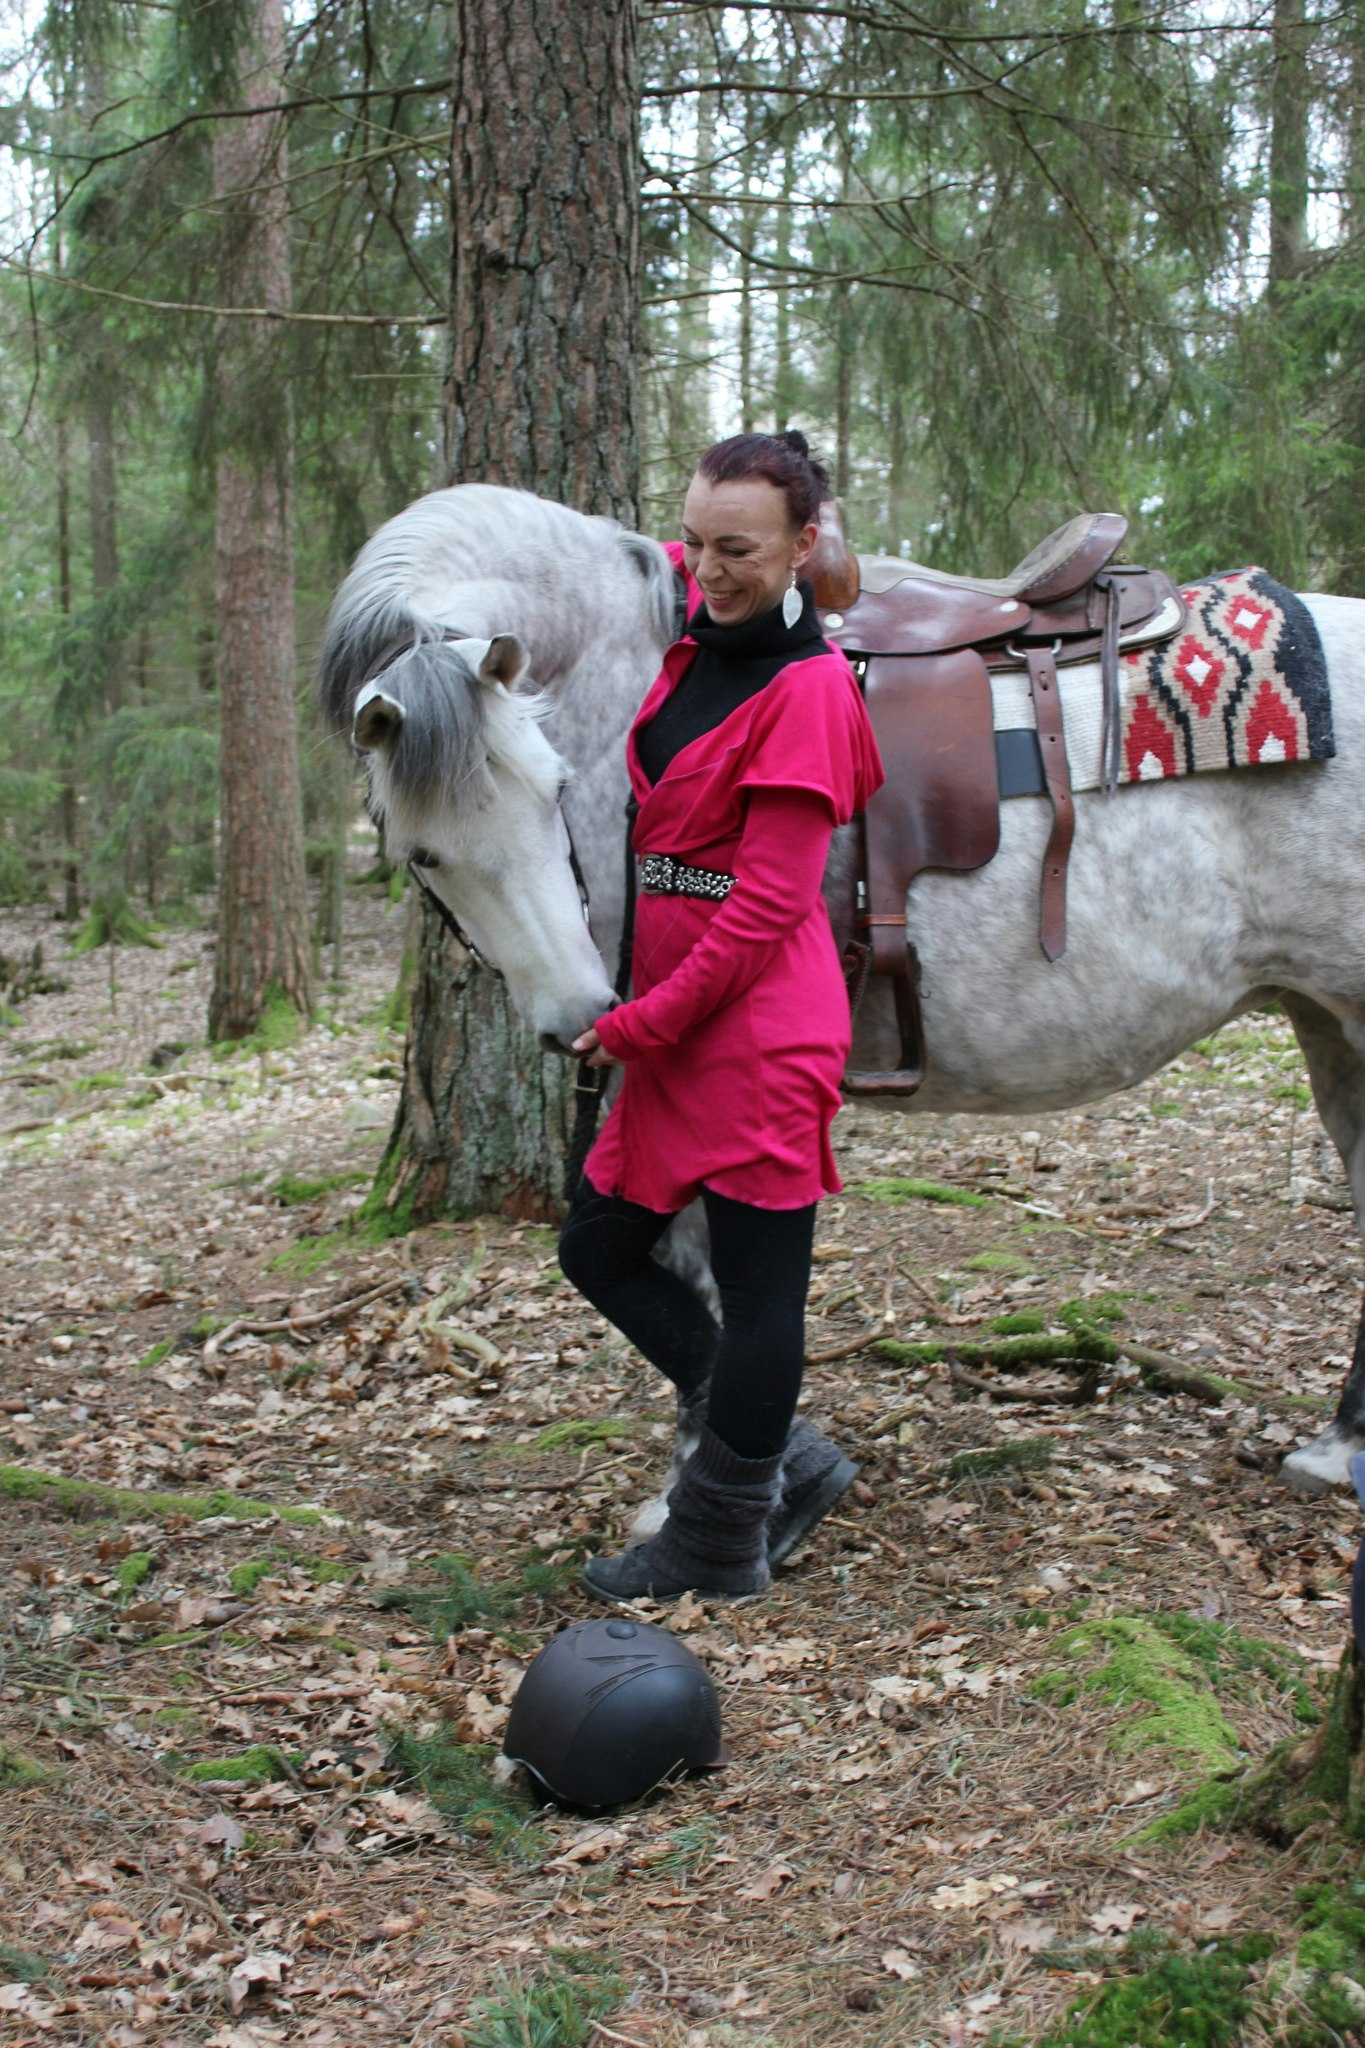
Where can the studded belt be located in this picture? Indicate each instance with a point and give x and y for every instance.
(662, 875)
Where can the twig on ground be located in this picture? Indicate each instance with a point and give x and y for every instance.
(846, 1350)
(1192, 1221)
(882, 1542)
(925, 1292)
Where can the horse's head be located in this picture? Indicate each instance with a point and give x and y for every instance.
(467, 782)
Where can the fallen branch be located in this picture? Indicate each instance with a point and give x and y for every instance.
(40, 1123)
(242, 1327)
(1030, 1394)
(1159, 1371)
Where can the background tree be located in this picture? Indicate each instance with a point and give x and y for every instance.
(262, 950)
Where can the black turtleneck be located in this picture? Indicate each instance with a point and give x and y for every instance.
(733, 663)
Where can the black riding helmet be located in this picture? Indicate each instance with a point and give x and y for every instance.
(610, 1709)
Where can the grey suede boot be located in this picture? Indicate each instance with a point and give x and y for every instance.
(815, 1474)
(714, 1541)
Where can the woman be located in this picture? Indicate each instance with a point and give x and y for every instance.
(752, 745)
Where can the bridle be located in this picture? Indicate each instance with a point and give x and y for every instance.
(589, 1082)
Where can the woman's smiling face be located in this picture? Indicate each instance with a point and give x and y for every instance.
(739, 544)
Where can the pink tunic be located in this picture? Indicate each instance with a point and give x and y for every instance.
(738, 1033)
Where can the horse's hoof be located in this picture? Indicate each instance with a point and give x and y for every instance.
(1322, 1466)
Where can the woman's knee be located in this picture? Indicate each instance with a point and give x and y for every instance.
(604, 1241)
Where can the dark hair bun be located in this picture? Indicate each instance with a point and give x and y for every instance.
(783, 460)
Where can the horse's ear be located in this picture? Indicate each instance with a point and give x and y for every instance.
(378, 721)
(504, 660)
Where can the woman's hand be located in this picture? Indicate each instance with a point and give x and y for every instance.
(595, 1053)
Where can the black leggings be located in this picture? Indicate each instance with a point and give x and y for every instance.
(761, 1262)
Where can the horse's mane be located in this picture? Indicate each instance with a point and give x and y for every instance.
(482, 559)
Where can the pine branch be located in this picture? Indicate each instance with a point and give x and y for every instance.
(272, 313)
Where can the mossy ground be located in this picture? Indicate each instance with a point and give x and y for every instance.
(84, 1498)
(1145, 1669)
(258, 1765)
(923, 1191)
(1178, 2000)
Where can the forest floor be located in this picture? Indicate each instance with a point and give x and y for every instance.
(247, 1716)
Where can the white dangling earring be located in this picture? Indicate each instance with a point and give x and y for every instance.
(792, 606)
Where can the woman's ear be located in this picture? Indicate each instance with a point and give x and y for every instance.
(805, 541)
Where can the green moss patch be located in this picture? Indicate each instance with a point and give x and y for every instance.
(998, 1262)
(80, 1497)
(162, 1349)
(1146, 1670)
(308, 1254)
(1097, 1308)
(134, 1568)
(457, 1778)
(1203, 2000)
(258, 1765)
(922, 1191)
(560, 1436)
(1022, 1322)
(244, 1578)
(293, 1191)
(1002, 1461)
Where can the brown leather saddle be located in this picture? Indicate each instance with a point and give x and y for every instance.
(923, 645)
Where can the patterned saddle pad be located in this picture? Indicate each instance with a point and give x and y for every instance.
(1243, 685)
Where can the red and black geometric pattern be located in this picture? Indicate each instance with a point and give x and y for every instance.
(1242, 685)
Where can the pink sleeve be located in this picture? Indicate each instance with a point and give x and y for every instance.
(811, 731)
(779, 868)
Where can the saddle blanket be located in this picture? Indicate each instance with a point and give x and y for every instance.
(1243, 684)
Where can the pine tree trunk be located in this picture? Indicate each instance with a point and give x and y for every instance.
(263, 949)
(1290, 105)
(541, 393)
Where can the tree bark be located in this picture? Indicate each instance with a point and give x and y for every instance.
(540, 393)
(544, 175)
(262, 902)
(1290, 102)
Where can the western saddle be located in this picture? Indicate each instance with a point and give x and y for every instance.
(923, 645)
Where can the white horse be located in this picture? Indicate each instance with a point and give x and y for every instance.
(488, 651)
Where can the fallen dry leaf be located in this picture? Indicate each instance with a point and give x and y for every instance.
(772, 1880)
(900, 1964)
(1026, 1934)
(1115, 1919)
(973, 1891)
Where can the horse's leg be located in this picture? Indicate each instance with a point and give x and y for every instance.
(1334, 1049)
(683, 1249)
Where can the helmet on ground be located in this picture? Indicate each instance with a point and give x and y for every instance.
(612, 1708)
